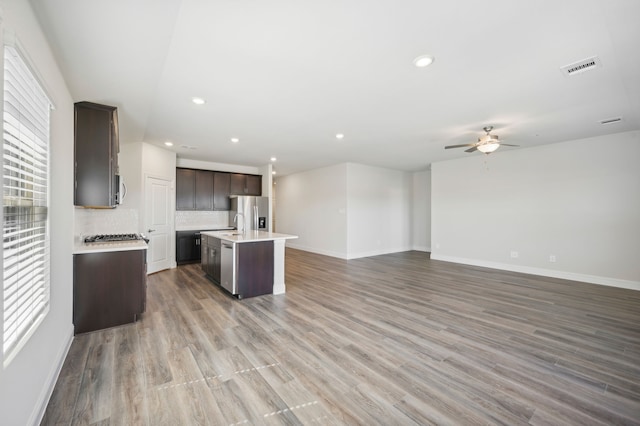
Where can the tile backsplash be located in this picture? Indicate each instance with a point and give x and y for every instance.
(105, 221)
(186, 220)
(124, 221)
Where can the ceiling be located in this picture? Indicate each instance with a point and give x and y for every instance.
(285, 76)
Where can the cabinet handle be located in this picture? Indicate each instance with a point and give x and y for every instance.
(150, 230)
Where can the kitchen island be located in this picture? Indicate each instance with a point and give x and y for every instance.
(245, 264)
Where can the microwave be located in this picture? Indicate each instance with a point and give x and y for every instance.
(120, 189)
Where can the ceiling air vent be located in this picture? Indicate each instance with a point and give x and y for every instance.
(581, 66)
(611, 120)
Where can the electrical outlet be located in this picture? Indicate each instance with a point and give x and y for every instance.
(552, 258)
(514, 254)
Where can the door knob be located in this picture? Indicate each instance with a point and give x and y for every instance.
(150, 230)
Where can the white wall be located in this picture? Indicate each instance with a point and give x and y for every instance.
(220, 167)
(578, 200)
(130, 165)
(313, 205)
(421, 211)
(26, 383)
(378, 211)
(347, 210)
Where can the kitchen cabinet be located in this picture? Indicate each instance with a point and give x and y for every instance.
(109, 289)
(188, 245)
(210, 257)
(203, 190)
(221, 191)
(194, 189)
(243, 269)
(96, 147)
(185, 189)
(242, 184)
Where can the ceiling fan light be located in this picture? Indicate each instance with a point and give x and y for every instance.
(488, 148)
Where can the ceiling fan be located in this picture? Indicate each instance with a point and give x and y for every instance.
(486, 144)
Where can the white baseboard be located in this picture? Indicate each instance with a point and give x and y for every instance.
(348, 256)
(339, 255)
(421, 248)
(376, 253)
(592, 279)
(47, 391)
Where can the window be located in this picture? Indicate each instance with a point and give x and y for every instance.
(25, 173)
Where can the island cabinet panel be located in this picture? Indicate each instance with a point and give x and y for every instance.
(185, 189)
(109, 289)
(210, 258)
(254, 268)
(221, 191)
(242, 184)
(96, 149)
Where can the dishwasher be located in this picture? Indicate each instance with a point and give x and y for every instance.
(228, 267)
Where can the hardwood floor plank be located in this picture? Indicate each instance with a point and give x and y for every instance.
(94, 403)
(154, 346)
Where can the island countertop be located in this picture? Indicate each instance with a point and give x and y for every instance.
(249, 236)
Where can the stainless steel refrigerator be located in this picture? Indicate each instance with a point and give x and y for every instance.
(250, 212)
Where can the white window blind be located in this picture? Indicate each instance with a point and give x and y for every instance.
(24, 204)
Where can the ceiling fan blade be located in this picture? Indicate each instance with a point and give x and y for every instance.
(507, 144)
(459, 146)
(473, 148)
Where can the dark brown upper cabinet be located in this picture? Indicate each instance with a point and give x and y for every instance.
(204, 190)
(96, 147)
(209, 190)
(185, 189)
(194, 189)
(242, 184)
(221, 191)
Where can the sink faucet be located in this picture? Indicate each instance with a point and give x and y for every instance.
(235, 220)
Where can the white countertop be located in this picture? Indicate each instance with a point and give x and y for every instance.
(249, 236)
(82, 248)
(203, 228)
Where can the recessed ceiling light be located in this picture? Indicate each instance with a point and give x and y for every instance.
(339, 136)
(423, 61)
(273, 158)
(235, 140)
(198, 101)
(273, 172)
(167, 143)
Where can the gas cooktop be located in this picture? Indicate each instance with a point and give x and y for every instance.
(110, 238)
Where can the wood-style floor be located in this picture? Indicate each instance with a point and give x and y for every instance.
(393, 340)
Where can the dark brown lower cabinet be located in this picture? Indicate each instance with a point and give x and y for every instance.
(109, 289)
(187, 247)
(254, 268)
(210, 258)
(253, 265)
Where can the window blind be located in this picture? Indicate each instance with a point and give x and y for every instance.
(25, 175)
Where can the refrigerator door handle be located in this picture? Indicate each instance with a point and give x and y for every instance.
(255, 218)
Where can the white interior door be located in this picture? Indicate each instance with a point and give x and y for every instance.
(158, 223)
